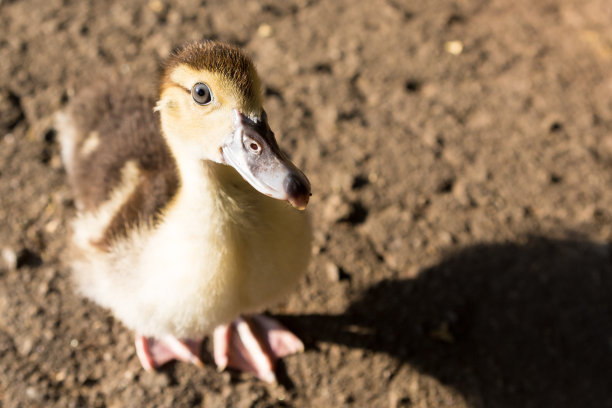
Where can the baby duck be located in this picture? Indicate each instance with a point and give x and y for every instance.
(183, 226)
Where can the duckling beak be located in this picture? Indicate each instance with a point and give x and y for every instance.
(252, 150)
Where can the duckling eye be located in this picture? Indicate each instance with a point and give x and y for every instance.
(253, 146)
(201, 94)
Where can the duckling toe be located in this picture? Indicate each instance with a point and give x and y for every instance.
(154, 353)
(253, 344)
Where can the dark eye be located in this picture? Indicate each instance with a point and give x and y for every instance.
(252, 146)
(201, 93)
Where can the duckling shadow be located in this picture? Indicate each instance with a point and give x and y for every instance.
(507, 325)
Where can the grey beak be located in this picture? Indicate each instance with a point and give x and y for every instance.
(252, 150)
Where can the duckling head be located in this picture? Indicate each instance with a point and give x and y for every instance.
(211, 109)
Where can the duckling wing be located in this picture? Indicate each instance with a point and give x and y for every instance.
(114, 153)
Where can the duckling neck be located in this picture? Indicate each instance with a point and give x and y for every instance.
(193, 179)
(208, 189)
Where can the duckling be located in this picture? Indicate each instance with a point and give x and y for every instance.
(188, 214)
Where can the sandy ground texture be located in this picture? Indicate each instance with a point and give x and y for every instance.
(461, 159)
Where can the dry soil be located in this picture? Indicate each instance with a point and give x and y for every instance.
(461, 160)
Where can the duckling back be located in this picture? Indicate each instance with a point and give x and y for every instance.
(117, 161)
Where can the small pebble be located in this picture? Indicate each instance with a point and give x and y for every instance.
(336, 208)
(333, 272)
(43, 288)
(446, 238)
(26, 346)
(265, 31)
(48, 334)
(9, 257)
(33, 394)
(156, 6)
(51, 226)
(453, 47)
(60, 376)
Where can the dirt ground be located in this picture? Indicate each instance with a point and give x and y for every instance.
(461, 159)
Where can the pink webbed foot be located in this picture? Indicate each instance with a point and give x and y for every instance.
(253, 344)
(154, 353)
